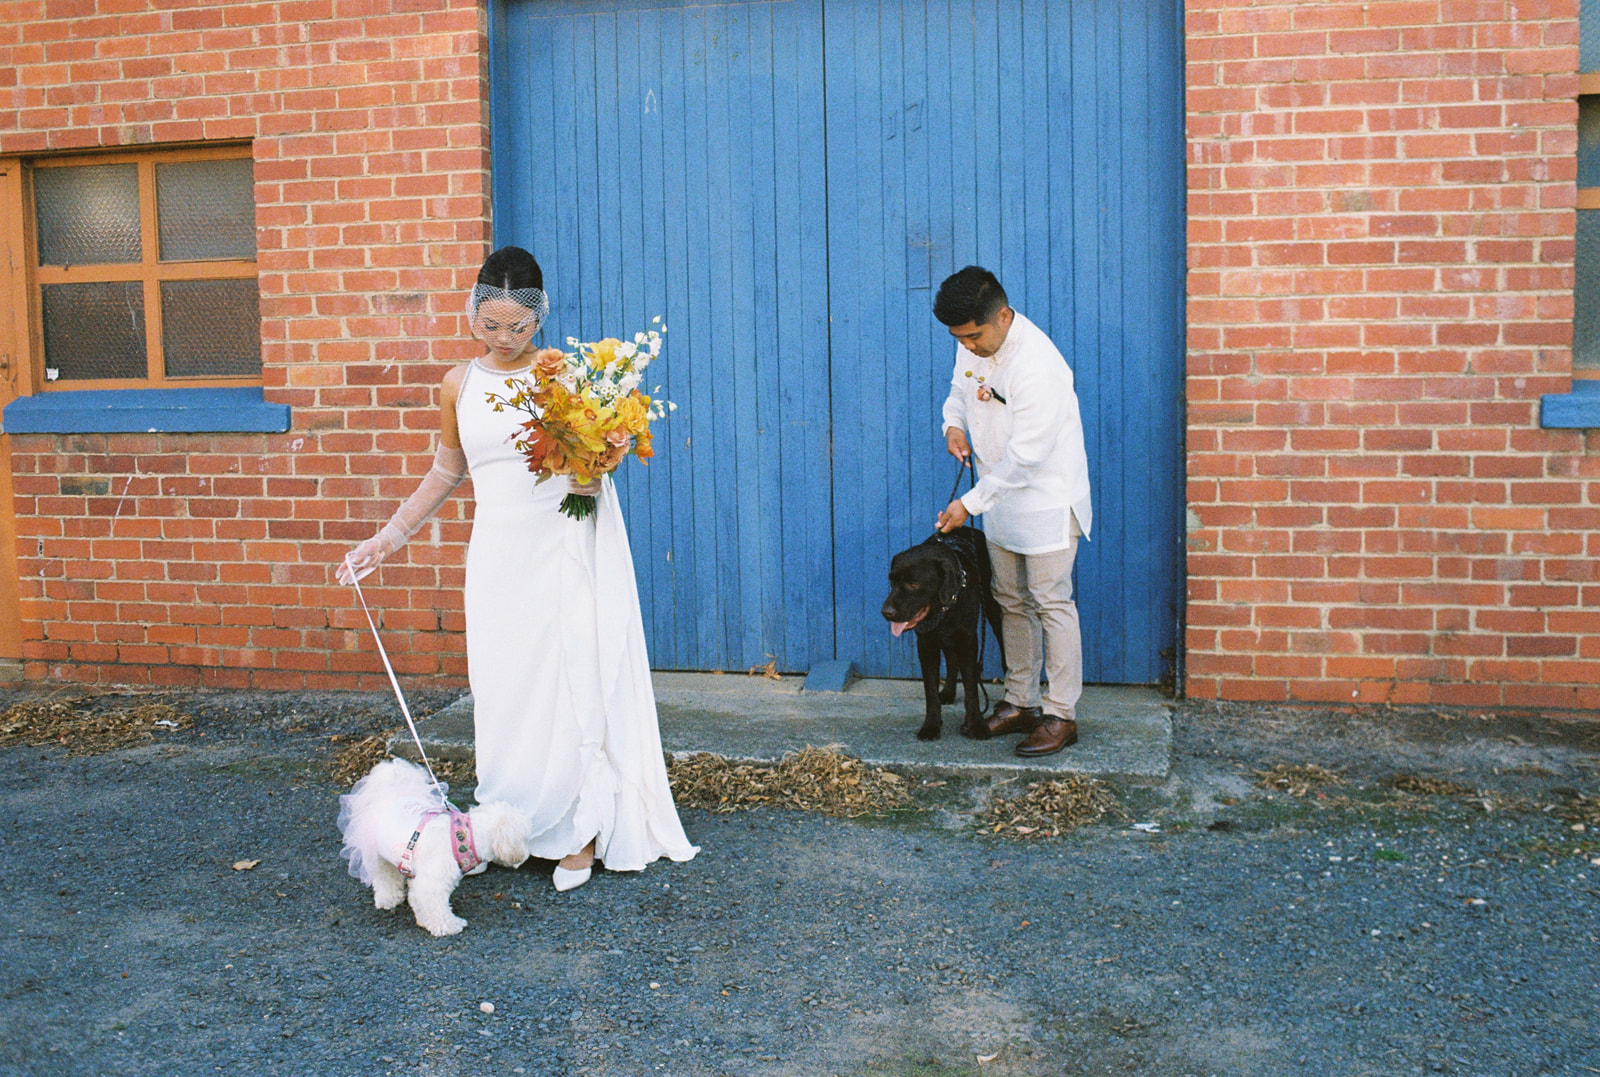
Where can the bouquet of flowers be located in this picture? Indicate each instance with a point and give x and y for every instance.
(584, 410)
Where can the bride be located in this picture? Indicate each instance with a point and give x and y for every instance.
(564, 713)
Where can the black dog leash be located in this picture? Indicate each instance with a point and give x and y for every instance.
(964, 465)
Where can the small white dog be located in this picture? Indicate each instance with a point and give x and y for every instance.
(397, 826)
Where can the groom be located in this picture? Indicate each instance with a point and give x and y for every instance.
(1012, 393)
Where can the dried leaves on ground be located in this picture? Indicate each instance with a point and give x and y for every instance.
(1296, 779)
(356, 755)
(1435, 787)
(1580, 808)
(816, 779)
(88, 730)
(1051, 808)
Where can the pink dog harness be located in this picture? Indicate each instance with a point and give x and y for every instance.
(461, 843)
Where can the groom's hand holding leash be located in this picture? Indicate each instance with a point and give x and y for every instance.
(955, 513)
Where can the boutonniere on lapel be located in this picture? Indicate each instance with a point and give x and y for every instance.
(984, 392)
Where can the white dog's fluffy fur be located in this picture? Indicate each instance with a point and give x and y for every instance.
(380, 814)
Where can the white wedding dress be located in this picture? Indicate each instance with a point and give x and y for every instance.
(564, 713)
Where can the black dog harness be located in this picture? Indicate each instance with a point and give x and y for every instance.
(962, 546)
(964, 550)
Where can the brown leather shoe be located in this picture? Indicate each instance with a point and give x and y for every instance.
(1048, 737)
(1007, 717)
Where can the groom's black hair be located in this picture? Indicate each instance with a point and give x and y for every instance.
(511, 267)
(970, 295)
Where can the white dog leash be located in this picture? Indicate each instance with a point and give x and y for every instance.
(355, 581)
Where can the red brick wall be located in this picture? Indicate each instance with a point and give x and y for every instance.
(1381, 220)
(1381, 223)
(204, 559)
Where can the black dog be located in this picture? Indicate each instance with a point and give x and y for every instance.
(938, 589)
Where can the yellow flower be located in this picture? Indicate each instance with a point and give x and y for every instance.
(604, 353)
(633, 411)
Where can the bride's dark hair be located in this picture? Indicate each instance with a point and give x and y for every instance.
(511, 267)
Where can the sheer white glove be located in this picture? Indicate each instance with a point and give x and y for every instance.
(360, 562)
(449, 468)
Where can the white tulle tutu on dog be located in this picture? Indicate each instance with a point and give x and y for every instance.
(397, 816)
(373, 837)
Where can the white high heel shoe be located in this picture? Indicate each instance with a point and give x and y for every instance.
(567, 879)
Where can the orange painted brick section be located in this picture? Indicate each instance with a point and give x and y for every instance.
(1380, 289)
(205, 560)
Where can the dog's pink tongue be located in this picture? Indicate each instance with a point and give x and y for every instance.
(898, 627)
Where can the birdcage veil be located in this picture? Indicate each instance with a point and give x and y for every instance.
(533, 300)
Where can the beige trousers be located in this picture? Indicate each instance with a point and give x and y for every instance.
(1035, 596)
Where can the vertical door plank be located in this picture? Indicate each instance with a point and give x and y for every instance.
(802, 359)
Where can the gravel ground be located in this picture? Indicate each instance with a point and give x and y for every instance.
(1353, 930)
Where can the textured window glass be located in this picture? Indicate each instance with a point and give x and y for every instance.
(1586, 295)
(1589, 35)
(211, 327)
(94, 331)
(206, 210)
(87, 214)
(1589, 140)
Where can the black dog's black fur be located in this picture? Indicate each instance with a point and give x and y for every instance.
(949, 577)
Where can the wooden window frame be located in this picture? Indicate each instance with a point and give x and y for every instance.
(1588, 84)
(1588, 198)
(151, 271)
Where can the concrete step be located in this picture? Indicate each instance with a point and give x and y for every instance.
(1123, 733)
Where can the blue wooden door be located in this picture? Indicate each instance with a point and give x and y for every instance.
(787, 183)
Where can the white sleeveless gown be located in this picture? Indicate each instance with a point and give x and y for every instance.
(564, 713)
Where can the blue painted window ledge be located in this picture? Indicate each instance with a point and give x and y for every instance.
(147, 411)
(1579, 409)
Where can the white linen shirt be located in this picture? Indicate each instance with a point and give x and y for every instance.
(1033, 483)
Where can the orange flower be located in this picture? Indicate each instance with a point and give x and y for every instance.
(548, 362)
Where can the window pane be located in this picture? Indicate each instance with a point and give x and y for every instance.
(1589, 140)
(206, 210)
(94, 330)
(88, 214)
(211, 327)
(1589, 35)
(1586, 294)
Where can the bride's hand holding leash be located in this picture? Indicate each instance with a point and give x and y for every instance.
(360, 562)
